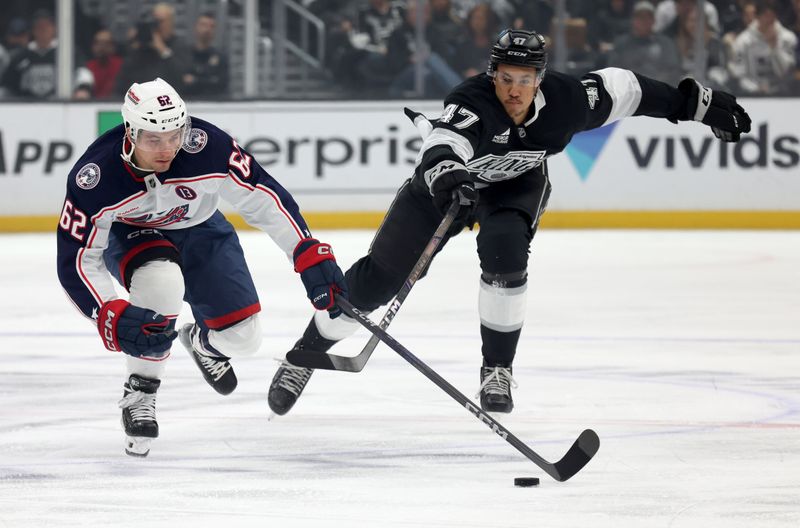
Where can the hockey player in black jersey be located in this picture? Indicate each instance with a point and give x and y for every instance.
(141, 207)
(489, 149)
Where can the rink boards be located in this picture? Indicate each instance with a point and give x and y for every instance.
(344, 160)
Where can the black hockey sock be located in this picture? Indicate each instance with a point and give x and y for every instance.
(312, 340)
(499, 348)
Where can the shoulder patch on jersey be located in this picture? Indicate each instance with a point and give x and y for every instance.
(88, 177)
(591, 92)
(196, 140)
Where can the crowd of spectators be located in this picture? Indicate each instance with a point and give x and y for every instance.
(110, 65)
(750, 47)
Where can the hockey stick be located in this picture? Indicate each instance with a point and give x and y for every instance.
(321, 360)
(573, 461)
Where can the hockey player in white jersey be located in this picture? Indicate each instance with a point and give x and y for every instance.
(142, 207)
(489, 149)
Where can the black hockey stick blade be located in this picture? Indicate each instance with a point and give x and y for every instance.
(581, 452)
(322, 360)
(573, 461)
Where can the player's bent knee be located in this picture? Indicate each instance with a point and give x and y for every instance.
(242, 339)
(158, 285)
(502, 300)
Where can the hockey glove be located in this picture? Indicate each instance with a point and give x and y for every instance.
(321, 276)
(136, 331)
(450, 181)
(717, 109)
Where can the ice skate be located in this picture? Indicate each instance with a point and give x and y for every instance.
(287, 385)
(138, 406)
(495, 391)
(216, 369)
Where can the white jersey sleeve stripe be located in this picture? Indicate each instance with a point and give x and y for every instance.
(442, 136)
(624, 90)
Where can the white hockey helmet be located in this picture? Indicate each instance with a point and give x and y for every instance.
(154, 106)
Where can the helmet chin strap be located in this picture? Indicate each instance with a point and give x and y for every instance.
(127, 153)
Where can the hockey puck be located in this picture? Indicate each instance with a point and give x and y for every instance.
(526, 482)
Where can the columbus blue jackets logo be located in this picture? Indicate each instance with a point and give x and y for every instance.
(195, 141)
(88, 177)
(164, 218)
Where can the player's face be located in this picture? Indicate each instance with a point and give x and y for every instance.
(516, 87)
(156, 150)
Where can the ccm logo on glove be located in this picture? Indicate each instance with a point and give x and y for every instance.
(321, 276)
(135, 331)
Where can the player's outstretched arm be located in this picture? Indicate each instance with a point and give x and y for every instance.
(136, 331)
(615, 93)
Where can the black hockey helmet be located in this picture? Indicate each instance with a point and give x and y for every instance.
(519, 48)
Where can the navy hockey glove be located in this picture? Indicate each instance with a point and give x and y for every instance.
(136, 331)
(450, 181)
(321, 276)
(717, 109)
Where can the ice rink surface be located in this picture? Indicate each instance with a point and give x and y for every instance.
(681, 349)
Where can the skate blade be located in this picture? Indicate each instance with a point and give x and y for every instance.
(137, 446)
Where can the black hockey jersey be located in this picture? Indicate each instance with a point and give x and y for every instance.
(103, 189)
(477, 131)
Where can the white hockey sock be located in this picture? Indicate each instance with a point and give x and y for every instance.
(334, 329)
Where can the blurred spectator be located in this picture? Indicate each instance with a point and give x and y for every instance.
(645, 51)
(730, 15)
(105, 64)
(32, 70)
(375, 25)
(670, 13)
(715, 72)
(17, 35)
(533, 15)
(747, 14)
(580, 56)
(154, 51)
(377, 22)
(611, 21)
(403, 55)
(764, 59)
(167, 43)
(342, 58)
(447, 30)
(482, 27)
(208, 71)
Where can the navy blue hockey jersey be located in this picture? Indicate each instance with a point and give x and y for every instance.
(103, 189)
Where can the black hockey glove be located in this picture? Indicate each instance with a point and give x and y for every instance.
(136, 331)
(321, 276)
(719, 110)
(450, 181)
